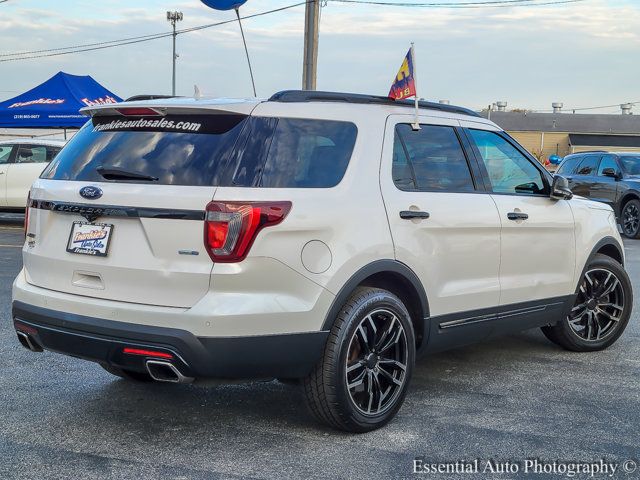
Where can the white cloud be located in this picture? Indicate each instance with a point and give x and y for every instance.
(580, 53)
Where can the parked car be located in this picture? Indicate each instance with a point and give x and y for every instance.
(611, 178)
(313, 236)
(21, 162)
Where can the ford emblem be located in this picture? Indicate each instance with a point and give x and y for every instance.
(90, 193)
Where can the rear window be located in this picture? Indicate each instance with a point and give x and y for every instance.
(209, 150)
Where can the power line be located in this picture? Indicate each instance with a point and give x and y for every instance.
(51, 52)
(485, 4)
(10, 57)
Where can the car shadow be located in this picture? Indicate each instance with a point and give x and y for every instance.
(151, 408)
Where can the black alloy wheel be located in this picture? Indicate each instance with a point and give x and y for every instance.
(599, 305)
(376, 364)
(601, 311)
(630, 219)
(361, 381)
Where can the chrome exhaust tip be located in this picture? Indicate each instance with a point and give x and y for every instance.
(27, 342)
(162, 371)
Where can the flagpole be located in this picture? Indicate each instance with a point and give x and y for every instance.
(416, 124)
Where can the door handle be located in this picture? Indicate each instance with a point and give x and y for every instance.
(411, 214)
(517, 216)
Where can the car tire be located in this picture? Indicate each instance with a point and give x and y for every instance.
(601, 310)
(362, 378)
(127, 374)
(630, 219)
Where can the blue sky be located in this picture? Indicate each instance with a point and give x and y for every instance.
(583, 54)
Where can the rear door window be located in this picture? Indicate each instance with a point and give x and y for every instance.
(589, 165)
(568, 166)
(31, 154)
(430, 159)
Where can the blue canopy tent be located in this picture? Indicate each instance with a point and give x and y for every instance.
(55, 103)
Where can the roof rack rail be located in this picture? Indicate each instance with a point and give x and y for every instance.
(137, 98)
(287, 96)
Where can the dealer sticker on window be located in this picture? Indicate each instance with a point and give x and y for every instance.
(90, 238)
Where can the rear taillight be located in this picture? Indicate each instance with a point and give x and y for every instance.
(231, 227)
(26, 215)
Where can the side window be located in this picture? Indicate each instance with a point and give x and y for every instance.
(608, 161)
(509, 170)
(308, 153)
(589, 165)
(5, 153)
(31, 154)
(430, 159)
(568, 166)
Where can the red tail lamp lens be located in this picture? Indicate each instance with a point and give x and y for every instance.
(232, 227)
(147, 353)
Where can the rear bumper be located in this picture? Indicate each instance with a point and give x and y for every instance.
(103, 341)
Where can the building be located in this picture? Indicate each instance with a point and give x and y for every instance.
(545, 134)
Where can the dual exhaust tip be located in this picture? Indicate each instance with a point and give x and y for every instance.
(159, 370)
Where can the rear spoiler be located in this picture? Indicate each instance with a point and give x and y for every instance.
(178, 106)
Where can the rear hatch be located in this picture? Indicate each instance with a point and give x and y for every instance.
(119, 213)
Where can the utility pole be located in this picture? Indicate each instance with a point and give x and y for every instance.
(174, 17)
(311, 31)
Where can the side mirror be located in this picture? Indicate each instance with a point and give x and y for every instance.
(560, 188)
(611, 172)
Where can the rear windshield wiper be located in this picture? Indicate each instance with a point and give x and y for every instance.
(122, 174)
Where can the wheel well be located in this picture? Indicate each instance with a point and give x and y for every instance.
(611, 251)
(625, 199)
(401, 287)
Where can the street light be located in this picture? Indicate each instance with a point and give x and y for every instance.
(174, 17)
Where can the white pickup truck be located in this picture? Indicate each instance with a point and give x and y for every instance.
(21, 162)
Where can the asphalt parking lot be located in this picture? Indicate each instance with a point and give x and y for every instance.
(511, 399)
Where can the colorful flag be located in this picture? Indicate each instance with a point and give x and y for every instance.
(404, 85)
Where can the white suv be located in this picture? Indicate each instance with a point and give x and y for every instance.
(314, 236)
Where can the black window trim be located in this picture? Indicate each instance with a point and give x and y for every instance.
(476, 179)
(547, 178)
